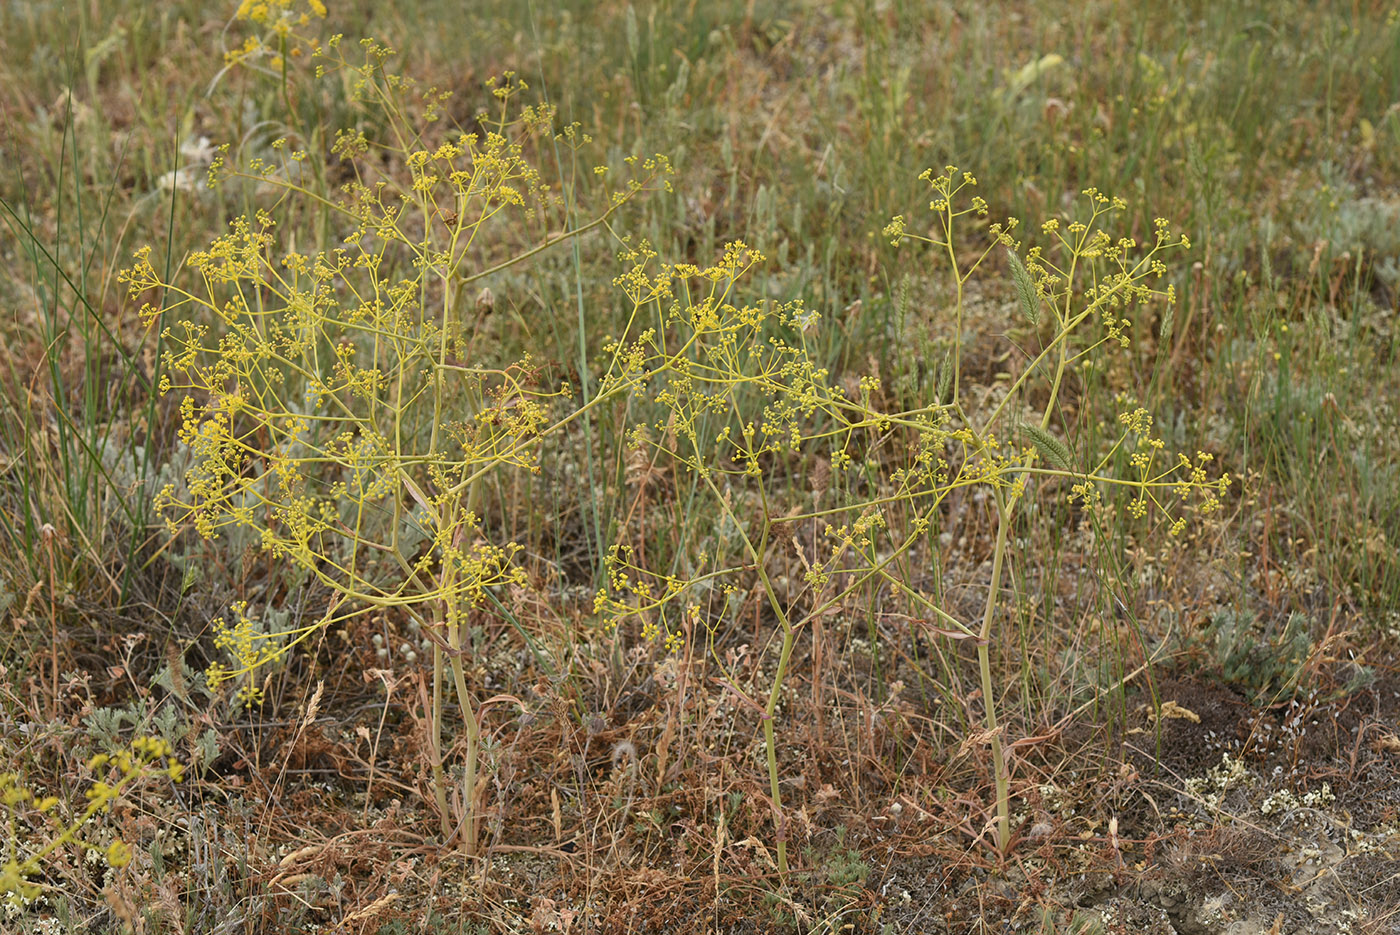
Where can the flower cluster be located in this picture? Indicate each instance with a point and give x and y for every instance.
(325, 394)
(282, 24)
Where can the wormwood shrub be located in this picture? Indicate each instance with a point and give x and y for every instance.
(328, 401)
(735, 399)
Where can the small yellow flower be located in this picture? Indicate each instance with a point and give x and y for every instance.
(118, 854)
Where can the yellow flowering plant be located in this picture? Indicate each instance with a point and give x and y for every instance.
(333, 412)
(1087, 280)
(737, 402)
(281, 32)
(122, 770)
(328, 396)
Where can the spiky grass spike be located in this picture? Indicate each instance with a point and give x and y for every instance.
(1025, 288)
(945, 379)
(1050, 447)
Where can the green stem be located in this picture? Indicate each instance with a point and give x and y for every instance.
(770, 714)
(464, 698)
(984, 665)
(435, 722)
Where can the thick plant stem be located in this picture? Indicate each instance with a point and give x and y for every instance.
(435, 721)
(770, 713)
(464, 698)
(473, 725)
(984, 664)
